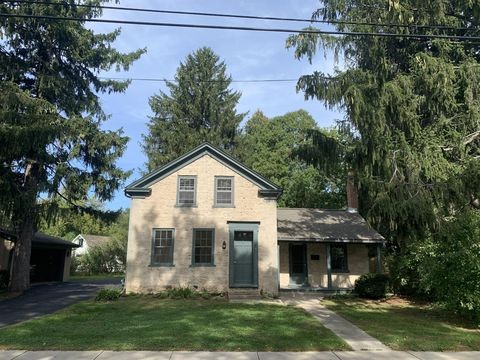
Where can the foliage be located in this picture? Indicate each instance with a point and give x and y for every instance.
(102, 259)
(372, 286)
(53, 141)
(199, 108)
(406, 325)
(450, 269)
(4, 278)
(411, 107)
(108, 294)
(268, 147)
(138, 322)
(185, 292)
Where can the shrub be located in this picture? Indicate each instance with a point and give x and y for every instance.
(108, 294)
(451, 268)
(372, 286)
(4, 278)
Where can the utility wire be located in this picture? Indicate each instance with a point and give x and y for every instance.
(239, 16)
(241, 28)
(210, 81)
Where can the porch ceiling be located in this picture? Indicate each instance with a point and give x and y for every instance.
(317, 225)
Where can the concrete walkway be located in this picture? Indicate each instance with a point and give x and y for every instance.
(358, 339)
(186, 355)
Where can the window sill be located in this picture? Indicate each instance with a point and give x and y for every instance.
(340, 272)
(223, 206)
(161, 265)
(202, 265)
(186, 206)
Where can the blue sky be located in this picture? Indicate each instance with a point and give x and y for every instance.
(248, 55)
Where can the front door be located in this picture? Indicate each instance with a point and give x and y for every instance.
(243, 255)
(298, 264)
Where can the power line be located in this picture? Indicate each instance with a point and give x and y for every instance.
(242, 28)
(240, 16)
(210, 81)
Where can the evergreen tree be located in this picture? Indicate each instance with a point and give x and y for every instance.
(52, 143)
(412, 107)
(199, 108)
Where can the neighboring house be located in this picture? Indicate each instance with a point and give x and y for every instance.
(86, 242)
(50, 257)
(205, 220)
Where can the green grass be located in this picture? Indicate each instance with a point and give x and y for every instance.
(96, 277)
(405, 325)
(148, 323)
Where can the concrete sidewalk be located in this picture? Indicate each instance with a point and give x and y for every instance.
(201, 355)
(358, 339)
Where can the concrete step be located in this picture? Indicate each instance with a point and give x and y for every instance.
(244, 294)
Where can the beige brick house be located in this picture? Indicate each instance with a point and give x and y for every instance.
(206, 221)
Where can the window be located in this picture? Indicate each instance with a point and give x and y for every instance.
(223, 191)
(162, 252)
(338, 256)
(80, 242)
(203, 246)
(186, 194)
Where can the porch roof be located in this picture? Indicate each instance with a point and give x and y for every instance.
(318, 225)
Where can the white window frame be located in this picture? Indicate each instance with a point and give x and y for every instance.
(232, 191)
(181, 177)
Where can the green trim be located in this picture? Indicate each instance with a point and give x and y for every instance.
(215, 205)
(172, 251)
(195, 184)
(243, 227)
(205, 148)
(210, 264)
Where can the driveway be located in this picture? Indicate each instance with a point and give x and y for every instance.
(42, 299)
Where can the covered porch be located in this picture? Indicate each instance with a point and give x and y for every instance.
(324, 249)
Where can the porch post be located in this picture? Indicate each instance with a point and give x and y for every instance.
(329, 267)
(379, 259)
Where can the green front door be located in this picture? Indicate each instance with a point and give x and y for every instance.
(243, 255)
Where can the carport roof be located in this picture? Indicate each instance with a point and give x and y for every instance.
(318, 225)
(41, 239)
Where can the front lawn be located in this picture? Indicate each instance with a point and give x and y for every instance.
(406, 325)
(147, 323)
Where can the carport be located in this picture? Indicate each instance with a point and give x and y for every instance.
(50, 258)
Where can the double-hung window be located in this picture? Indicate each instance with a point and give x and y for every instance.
(339, 261)
(186, 192)
(223, 191)
(162, 247)
(203, 247)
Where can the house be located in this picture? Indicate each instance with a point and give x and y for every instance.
(49, 260)
(206, 221)
(86, 242)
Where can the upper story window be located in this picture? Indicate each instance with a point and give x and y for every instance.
(186, 192)
(223, 191)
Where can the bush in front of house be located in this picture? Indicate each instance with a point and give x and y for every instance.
(372, 286)
(108, 294)
(4, 279)
(451, 266)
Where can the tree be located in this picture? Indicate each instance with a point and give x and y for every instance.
(199, 108)
(411, 105)
(53, 145)
(269, 147)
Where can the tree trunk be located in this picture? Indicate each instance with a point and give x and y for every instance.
(26, 223)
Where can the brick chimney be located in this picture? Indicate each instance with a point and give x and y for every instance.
(352, 193)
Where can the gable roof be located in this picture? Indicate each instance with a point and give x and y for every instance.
(94, 240)
(324, 226)
(141, 187)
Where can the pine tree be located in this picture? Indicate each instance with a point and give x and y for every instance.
(199, 108)
(52, 143)
(412, 107)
